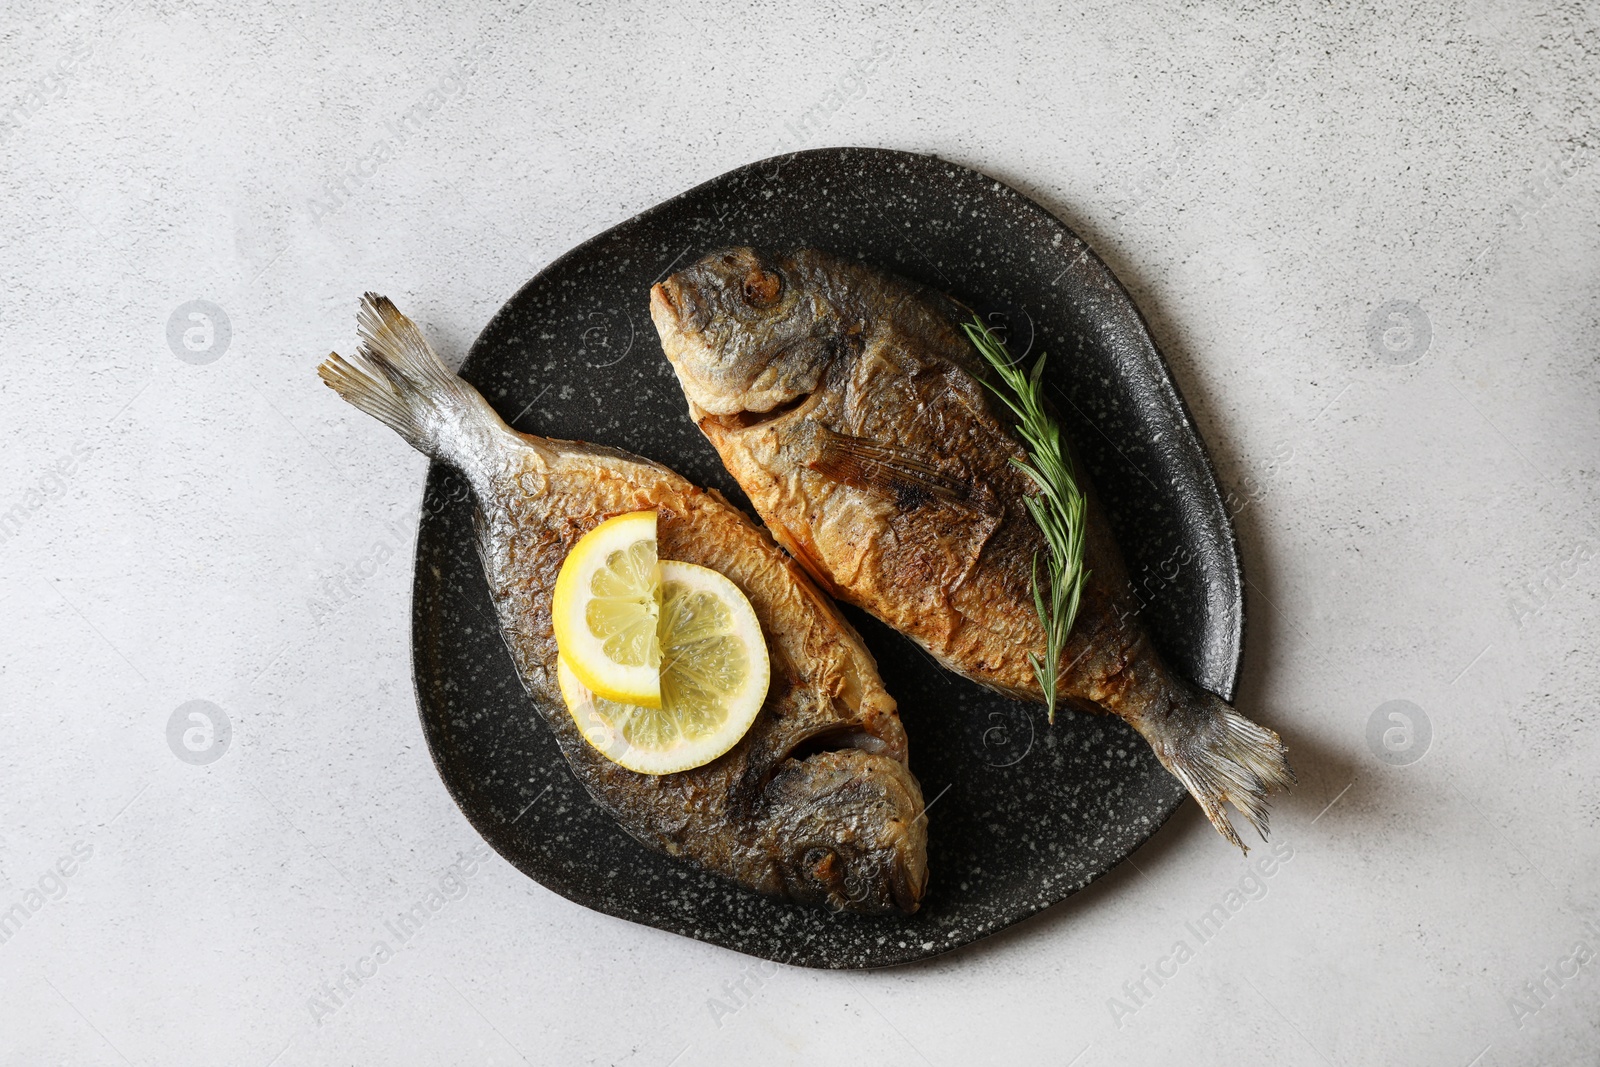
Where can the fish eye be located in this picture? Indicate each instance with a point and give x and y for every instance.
(761, 288)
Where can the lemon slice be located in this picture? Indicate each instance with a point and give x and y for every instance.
(605, 610)
(714, 676)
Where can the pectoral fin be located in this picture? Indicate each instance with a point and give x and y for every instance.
(803, 555)
(868, 465)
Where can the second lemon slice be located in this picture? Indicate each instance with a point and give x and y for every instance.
(714, 677)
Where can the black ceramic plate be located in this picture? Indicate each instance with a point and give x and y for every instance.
(1022, 814)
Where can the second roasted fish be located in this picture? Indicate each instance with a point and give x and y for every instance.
(815, 803)
(848, 404)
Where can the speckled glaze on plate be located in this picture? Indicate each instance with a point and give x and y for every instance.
(1021, 814)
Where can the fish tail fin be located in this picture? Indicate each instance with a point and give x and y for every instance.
(396, 377)
(1221, 757)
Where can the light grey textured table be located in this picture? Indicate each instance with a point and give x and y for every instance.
(1367, 242)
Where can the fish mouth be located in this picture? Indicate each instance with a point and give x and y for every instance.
(906, 872)
(672, 303)
(908, 881)
(678, 319)
(897, 876)
(660, 296)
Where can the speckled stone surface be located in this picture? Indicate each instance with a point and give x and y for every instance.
(1022, 813)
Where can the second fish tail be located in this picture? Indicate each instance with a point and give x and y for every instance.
(1220, 756)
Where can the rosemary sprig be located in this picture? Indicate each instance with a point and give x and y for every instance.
(1058, 507)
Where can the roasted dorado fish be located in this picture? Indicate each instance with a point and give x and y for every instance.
(848, 404)
(815, 803)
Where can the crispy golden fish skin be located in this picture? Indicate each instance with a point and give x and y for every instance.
(816, 802)
(848, 404)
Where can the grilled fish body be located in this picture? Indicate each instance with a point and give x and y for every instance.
(848, 405)
(816, 803)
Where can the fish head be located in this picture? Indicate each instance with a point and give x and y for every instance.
(850, 832)
(748, 332)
